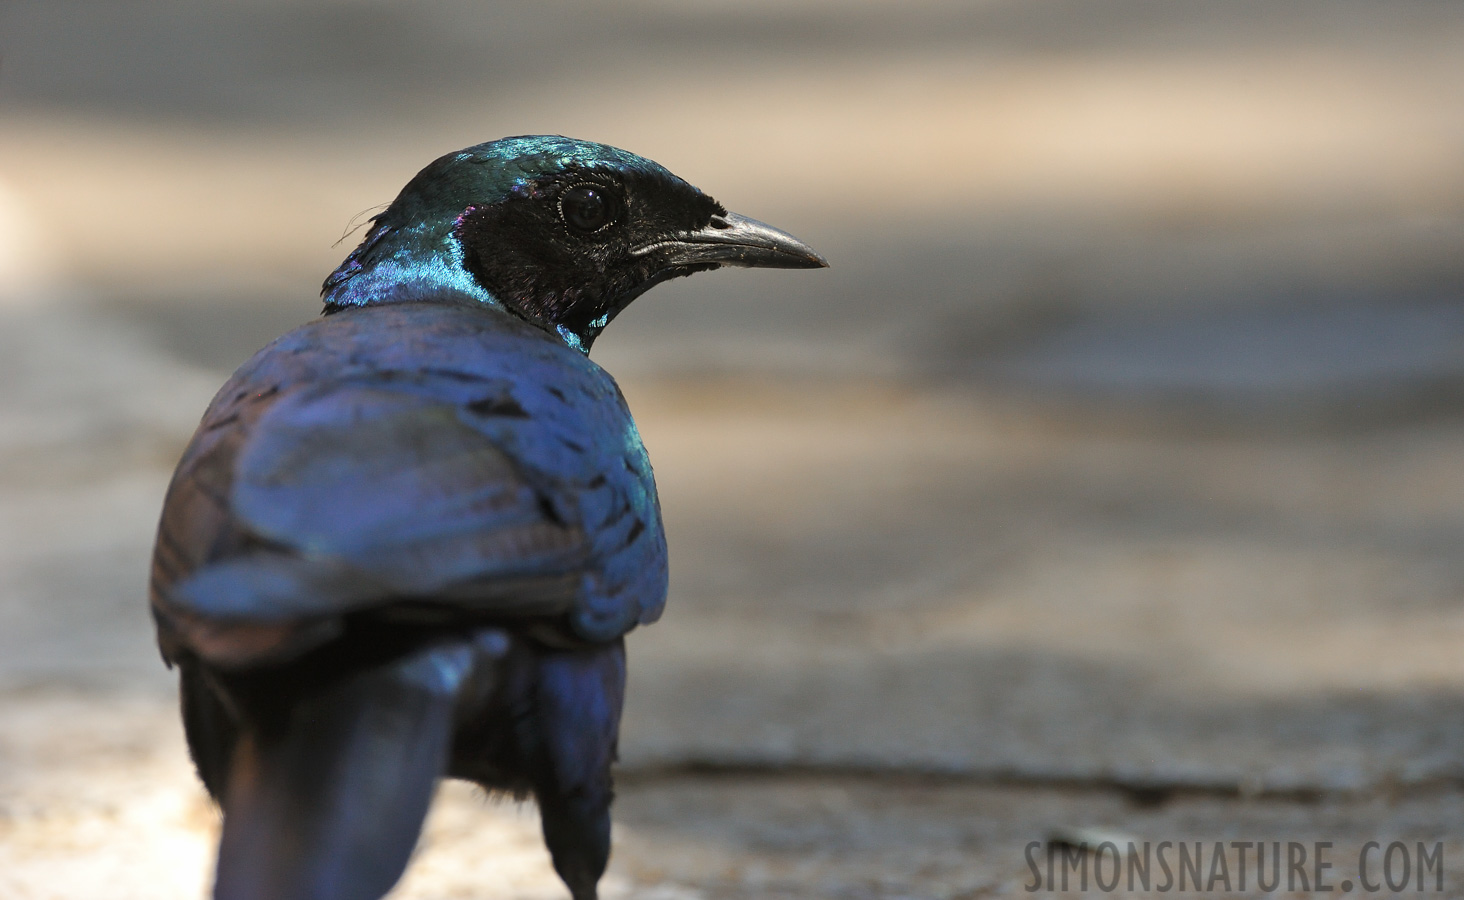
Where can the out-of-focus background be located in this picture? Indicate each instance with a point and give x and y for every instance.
(1112, 477)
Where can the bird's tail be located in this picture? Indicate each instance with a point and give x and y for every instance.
(330, 806)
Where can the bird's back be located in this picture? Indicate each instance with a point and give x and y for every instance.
(419, 462)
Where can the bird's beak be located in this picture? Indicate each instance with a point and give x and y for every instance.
(733, 240)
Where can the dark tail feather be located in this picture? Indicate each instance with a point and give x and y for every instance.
(331, 808)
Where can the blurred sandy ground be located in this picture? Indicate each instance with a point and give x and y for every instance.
(1116, 459)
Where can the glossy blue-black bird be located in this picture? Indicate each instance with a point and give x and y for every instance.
(408, 537)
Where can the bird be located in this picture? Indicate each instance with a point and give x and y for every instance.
(408, 538)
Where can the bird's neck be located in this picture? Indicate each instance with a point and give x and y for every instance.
(401, 265)
(424, 264)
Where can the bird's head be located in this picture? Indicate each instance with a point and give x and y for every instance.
(564, 233)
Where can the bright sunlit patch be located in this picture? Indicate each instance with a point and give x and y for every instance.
(26, 264)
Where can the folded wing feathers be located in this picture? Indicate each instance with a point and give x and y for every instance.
(362, 496)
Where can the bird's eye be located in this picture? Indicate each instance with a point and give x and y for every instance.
(587, 207)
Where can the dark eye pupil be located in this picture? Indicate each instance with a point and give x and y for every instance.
(585, 208)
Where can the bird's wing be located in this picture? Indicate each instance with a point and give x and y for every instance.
(363, 494)
(401, 489)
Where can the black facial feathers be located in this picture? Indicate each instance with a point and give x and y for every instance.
(558, 249)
